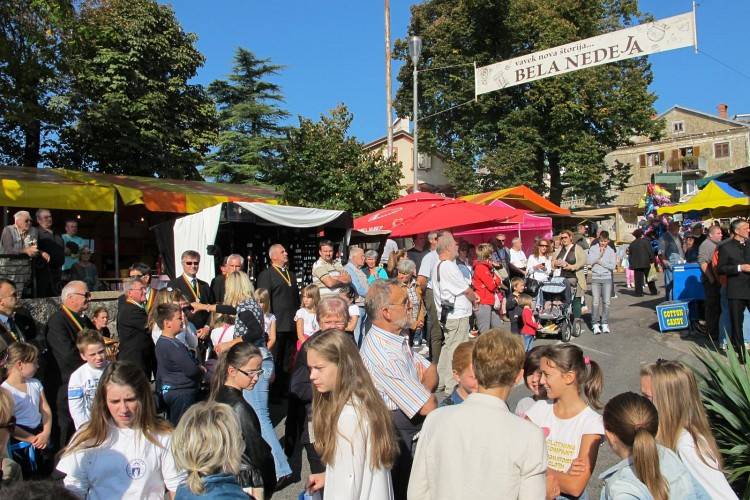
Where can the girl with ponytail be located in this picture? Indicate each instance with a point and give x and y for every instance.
(207, 444)
(648, 470)
(572, 428)
(239, 369)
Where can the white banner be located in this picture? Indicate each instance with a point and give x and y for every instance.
(665, 34)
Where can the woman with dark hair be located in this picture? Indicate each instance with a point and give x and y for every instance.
(239, 370)
(124, 450)
(539, 265)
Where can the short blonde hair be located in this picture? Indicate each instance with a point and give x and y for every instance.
(498, 357)
(207, 440)
(484, 251)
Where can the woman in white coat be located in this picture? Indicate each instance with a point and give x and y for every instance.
(352, 426)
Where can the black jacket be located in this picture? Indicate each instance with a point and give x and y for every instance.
(217, 287)
(200, 318)
(136, 345)
(257, 461)
(641, 255)
(284, 298)
(732, 253)
(61, 337)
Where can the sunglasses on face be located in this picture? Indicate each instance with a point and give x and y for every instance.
(191, 263)
(86, 295)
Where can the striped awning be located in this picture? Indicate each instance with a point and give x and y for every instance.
(57, 188)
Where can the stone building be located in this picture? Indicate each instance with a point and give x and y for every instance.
(695, 145)
(432, 168)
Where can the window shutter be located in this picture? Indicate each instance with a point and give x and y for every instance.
(696, 150)
(642, 160)
(661, 157)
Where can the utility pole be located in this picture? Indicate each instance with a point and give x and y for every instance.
(388, 103)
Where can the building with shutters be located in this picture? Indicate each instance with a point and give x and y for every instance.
(694, 146)
(432, 168)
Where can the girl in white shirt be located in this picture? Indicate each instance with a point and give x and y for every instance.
(269, 319)
(124, 450)
(305, 318)
(352, 427)
(573, 430)
(683, 424)
(32, 412)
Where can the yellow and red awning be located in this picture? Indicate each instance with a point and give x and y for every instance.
(62, 189)
(519, 197)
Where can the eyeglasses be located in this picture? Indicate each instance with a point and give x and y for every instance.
(191, 263)
(543, 246)
(86, 295)
(10, 425)
(251, 373)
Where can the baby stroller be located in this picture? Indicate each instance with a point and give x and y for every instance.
(554, 307)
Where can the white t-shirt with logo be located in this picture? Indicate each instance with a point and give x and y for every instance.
(26, 408)
(450, 288)
(564, 435)
(126, 465)
(81, 392)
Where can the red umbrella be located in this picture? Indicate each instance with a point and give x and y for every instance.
(423, 212)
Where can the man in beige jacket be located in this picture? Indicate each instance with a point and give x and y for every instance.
(479, 449)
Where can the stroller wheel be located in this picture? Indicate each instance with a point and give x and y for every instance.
(565, 331)
(577, 327)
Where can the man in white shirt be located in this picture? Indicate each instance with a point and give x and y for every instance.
(517, 258)
(479, 449)
(432, 327)
(451, 293)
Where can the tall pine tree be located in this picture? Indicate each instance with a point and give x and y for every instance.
(250, 134)
(551, 134)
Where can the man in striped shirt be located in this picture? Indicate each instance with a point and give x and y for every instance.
(404, 379)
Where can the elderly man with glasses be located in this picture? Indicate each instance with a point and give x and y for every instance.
(132, 328)
(63, 328)
(20, 237)
(196, 290)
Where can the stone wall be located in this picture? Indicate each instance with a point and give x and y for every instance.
(41, 309)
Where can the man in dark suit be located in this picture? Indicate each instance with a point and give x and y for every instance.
(233, 262)
(136, 345)
(195, 290)
(62, 332)
(15, 326)
(641, 255)
(52, 256)
(281, 284)
(734, 263)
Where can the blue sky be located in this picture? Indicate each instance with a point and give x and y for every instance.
(333, 51)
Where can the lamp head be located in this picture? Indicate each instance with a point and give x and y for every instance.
(415, 48)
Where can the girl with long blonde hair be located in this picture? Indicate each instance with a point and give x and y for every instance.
(683, 423)
(124, 450)
(647, 470)
(353, 431)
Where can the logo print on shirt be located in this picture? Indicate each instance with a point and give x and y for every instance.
(136, 469)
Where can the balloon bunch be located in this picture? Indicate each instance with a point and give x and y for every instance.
(655, 197)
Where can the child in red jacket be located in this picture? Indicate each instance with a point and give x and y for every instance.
(530, 326)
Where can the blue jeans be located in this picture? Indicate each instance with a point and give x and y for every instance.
(528, 342)
(178, 401)
(258, 399)
(725, 322)
(361, 327)
(601, 291)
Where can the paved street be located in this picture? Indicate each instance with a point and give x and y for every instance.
(636, 340)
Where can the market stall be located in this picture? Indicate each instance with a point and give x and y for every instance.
(422, 212)
(526, 226)
(249, 229)
(719, 199)
(521, 197)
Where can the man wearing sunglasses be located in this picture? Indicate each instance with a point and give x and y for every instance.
(62, 331)
(194, 290)
(15, 324)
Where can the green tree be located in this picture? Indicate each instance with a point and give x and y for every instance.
(250, 134)
(324, 167)
(551, 134)
(32, 74)
(134, 111)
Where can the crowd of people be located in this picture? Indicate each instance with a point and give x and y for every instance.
(179, 404)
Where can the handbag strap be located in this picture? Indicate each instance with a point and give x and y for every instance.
(221, 337)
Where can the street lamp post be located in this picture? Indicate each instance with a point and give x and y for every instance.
(415, 48)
